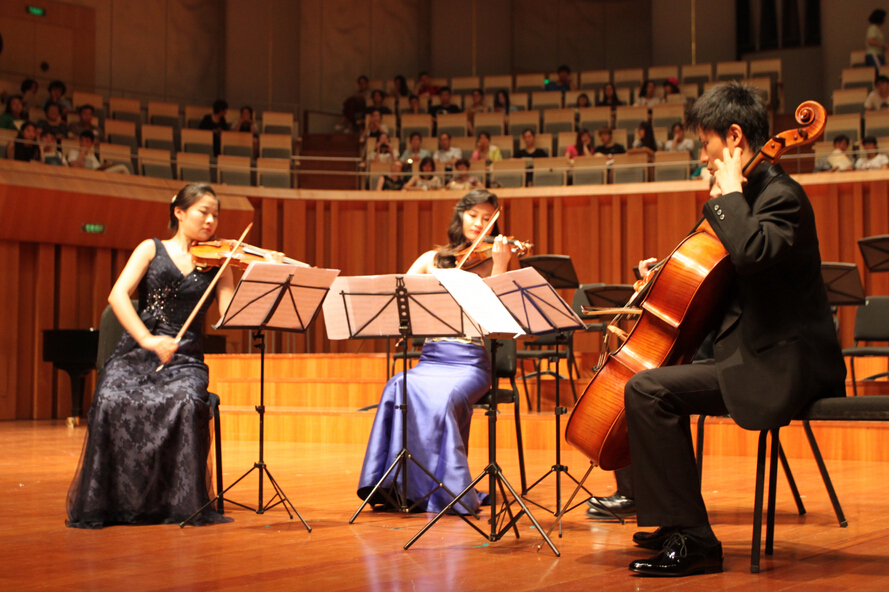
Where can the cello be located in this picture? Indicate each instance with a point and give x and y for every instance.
(681, 306)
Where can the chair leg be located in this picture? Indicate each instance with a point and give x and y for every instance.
(791, 482)
(527, 392)
(854, 382)
(700, 451)
(773, 482)
(218, 434)
(837, 508)
(518, 435)
(569, 352)
(757, 502)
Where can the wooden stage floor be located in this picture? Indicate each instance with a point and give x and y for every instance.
(270, 552)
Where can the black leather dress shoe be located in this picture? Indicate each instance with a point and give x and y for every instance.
(619, 505)
(681, 556)
(654, 540)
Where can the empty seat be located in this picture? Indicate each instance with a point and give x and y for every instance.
(659, 74)
(592, 118)
(558, 120)
(274, 122)
(236, 144)
(489, 122)
(464, 85)
(233, 170)
(273, 172)
(506, 144)
(876, 123)
(666, 114)
(671, 166)
(454, 124)
(121, 132)
(519, 101)
(589, 170)
(194, 114)
(550, 172)
(546, 99)
(492, 84)
(277, 146)
(113, 154)
(731, 71)
(193, 167)
(159, 137)
(857, 77)
(522, 120)
(770, 68)
(629, 168)
(849, 100)
(155, 163)
(857, 58)
(529, 83)
(412, 122)
(509, 172)
(628, 78)
(164, 114)
(849, 125)
(594, 79)
(197, 141)
(125, 109)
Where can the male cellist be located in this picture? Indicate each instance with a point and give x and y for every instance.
(775, 349)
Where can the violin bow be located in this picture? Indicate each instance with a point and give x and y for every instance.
(209, 289)
(480, 238)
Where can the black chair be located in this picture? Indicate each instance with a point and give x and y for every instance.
(110, 332)
(506, 367)
(600, 296)
(414, 353)
(870, 408)
(871, 324)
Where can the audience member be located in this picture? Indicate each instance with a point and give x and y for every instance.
(446, 155)
(462, 179)
(445, 106)
(838, 160)
(216, 123)
(24, 147)
(354, 107)
(398, 88)
(57, 90)
(374, 126)
(376, 102)
(564, 82)
(608, 147)
(394, 180)
(678, 140)
(414, 106)
(484, 150)
(608, 97)
(49, 150)
(583, 145)
(879, 97)
(871, 159)
(84, 123)
(13, 117)
(530, 149)
(583, 101)
(414, 152)
(29, 95)
(477, 106)
(671, 87)
(875, 44)
(424, 85)
(426, 179)
(84, 157)
(645, 138)
(246, 124)
(647, 96)
(501, 103)
(384, 151)
(53, 121)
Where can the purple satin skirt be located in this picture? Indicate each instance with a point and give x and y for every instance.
(441, 390)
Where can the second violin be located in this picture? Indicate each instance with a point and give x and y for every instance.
(214, 253)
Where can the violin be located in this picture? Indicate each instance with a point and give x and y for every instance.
(485, 250)
(213, 253)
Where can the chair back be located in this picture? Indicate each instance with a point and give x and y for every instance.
(872, 319)
(110, 332)
(505, 366)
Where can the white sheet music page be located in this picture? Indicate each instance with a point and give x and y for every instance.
(479, 302)
(260, 286)
(365, 306)
(534, 301)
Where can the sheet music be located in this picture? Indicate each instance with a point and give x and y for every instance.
(479, 302)
(258, 291)
(365, 306)
(537, 306)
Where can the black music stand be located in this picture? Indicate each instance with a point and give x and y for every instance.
(385, 307)
(280, 297)
(487, 316)
(843, 283)
(875, 250)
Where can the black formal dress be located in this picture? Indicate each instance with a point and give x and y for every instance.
(775, 350)
(145, 456)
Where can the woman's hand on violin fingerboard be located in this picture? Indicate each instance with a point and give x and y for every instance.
(274, 257)
(501, 254)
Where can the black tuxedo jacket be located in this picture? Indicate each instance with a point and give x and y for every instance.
(776, 348)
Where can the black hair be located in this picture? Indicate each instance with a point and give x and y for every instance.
(644, 88)
(869, 140)
(648, 140)
(463, 161)
(417, 134)
(443, 89)
(528, 129)
(376, 92)
(578, 142)
(446, 255)
(479, 91)
(87, 134)
(732, 103)
(21, 134)
(248, 108)
(426, 160)
(187, 197)
(9, 102)
(401, 85)
(377, 111)
(485, 134)
(51, 104)
(219, 105)
(364, 78)
(422, 73)
(877, 17)
(840, 138)
(505, 103)
(444, 134)
(412, 97)
(86, 106)
(882, 78)
(27, 83)
(585, 96)
(563, 68)
(673, 127)
(57, 84)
